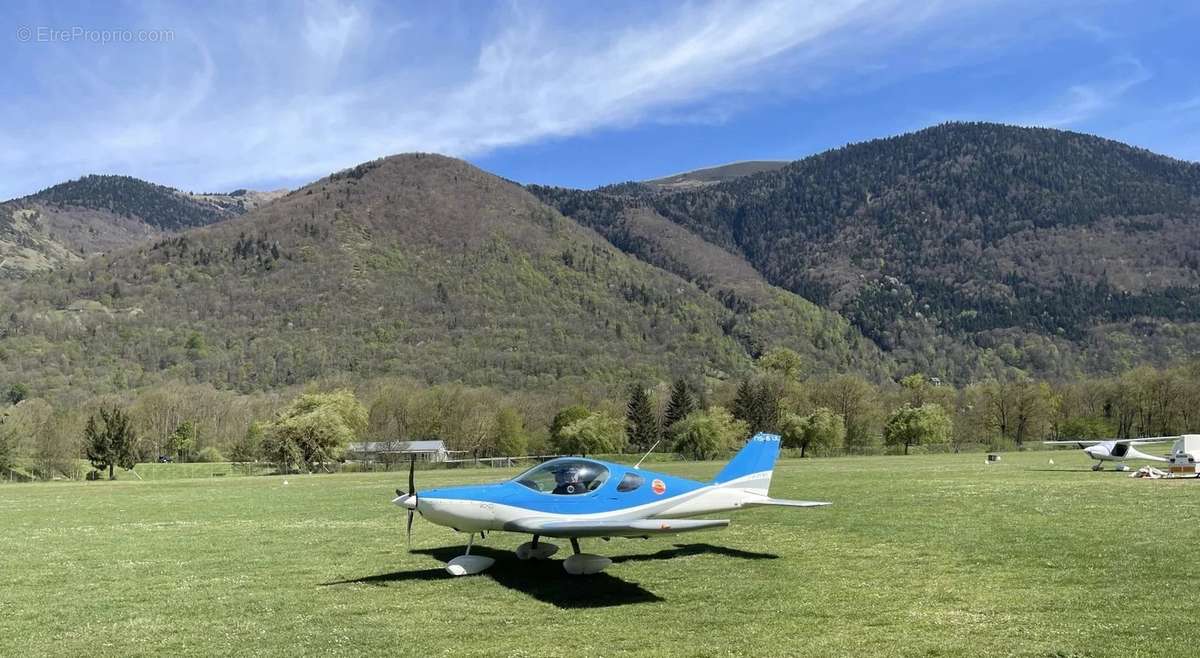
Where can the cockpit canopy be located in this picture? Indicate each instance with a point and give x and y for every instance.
(565, 477)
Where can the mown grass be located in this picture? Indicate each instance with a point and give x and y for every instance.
(930, 555)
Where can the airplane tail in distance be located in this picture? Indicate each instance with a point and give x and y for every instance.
(751, 467)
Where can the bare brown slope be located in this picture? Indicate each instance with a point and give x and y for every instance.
(711, 175)
(91, 215)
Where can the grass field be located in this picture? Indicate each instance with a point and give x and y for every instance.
(931, 555)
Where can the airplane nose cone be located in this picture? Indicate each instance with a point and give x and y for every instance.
(407, 501)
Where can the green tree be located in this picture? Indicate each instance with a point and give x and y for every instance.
(597, 432)
(708, 434)
(770, 395)
(565, 417)
(857, 402)
(916, 387)
(1087, 427)
(757, 403)
(8, 443)
(182, 440)
(745, 404)
(679, 405)
(110, 441)
(314, 429)
(209, 455)
(820, 429)
(783, 362)
(195, 345)
(56, 449)
(641, 425)
(16, 393)
(923, 425)
(511, 438)
(249, 447)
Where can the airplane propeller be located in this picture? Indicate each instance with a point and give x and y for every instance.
(409, 500)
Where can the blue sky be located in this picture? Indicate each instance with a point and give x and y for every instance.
(216, 96)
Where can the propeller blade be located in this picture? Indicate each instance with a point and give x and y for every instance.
(412, 491)
(412, 466)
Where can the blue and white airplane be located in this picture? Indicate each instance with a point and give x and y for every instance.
(574, 498)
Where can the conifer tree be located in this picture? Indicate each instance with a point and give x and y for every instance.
(110, 442)
(768, 401)
(681, 403)
(640, 423)
(745, 405)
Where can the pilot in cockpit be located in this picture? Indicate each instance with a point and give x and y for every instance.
(567, 481)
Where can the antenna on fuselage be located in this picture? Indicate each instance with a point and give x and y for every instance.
(639, 462)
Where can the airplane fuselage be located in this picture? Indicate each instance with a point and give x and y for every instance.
(1111, 451)
(576, 498)
(488, 507)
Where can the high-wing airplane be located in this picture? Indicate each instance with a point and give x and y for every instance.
(575, 498)
(1115, 450)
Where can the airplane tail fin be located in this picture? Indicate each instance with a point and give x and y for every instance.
(751, 467)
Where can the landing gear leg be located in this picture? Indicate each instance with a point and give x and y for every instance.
(535, 550)
(581, 563)
(467, 564)
(1098, 466)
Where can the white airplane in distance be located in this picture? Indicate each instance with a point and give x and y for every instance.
(1115, 450)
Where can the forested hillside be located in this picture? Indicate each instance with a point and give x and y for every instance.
(416, 265)
(65, 223)
(983, 268)
(964, 249)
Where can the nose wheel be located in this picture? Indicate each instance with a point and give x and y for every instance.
(1098, 466)
(467, 564)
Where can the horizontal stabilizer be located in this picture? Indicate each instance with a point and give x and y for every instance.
(780, 502)
(638, 528)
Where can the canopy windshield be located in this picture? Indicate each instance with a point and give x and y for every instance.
(565, 477)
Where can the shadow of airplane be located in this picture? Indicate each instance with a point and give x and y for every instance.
(545, 581)
(685, 550)
(1076, 470)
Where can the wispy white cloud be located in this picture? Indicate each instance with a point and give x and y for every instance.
(248, 98)
(1187, 105)
(1091, 28)
(329, 27)
(1083, 101)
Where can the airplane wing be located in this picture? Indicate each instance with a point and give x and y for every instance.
(1133, 442)
(1148, 439)
(635, 528)
(780, 502)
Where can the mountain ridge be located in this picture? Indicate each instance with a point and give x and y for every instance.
(416, 265)
(714, 174)
(93, 214)
(949, 241)
(965, 251)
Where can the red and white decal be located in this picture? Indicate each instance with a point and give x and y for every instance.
(658, 486)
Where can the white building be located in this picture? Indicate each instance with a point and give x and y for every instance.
(371, 451)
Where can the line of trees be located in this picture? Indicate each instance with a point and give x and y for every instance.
(308, 428)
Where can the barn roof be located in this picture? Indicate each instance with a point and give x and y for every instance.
(398, 446)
